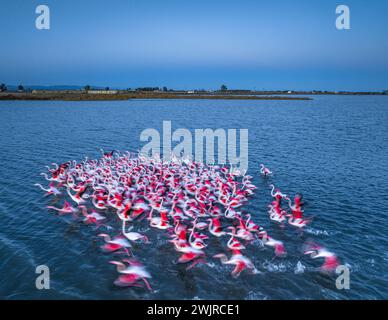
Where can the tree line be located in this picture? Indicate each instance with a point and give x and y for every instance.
(20, 88)
(3, 87)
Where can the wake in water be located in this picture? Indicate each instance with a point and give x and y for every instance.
(188, 201)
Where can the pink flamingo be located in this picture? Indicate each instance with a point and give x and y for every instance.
(91, 218)
(51, 189)
(241, 262)
(191, 254)
(76, 198)
(271, 242)
(250, 225)
(197, 243)
(160, 222)
(131, 274)
(133, 236)
(117, 243)
(264, 170)
(215, 227)
(330, 259)
(233, 243)
(67, 208)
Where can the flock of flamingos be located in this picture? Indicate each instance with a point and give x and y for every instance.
(190, 201)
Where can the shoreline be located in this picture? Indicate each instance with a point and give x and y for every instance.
(83, 96)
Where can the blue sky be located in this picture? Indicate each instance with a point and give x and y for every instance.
(184, 44)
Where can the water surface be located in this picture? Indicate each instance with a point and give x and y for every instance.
(333, 149)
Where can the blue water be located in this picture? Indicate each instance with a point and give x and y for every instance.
(333, 149)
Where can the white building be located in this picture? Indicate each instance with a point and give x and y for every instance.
(102, 91)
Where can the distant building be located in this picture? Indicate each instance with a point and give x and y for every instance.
(54, 91)
(154, 89)
(190, 91)
(102, 91)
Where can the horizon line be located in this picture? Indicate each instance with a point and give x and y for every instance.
(82, 86)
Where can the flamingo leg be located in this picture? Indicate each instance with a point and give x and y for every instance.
(147, 284)
(195, 263)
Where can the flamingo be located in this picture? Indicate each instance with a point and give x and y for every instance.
(197, 243)
(233, 243)
(243, 232)
(299, 223)
(50, 190)
(276, 216)
(271, 242)
(54, 178)
(132, 273)
(296, 219)
(292, 207)
(241, 262)
(108, 154)
(190, 254)
(76, 198)
(133, 236)
(177, 195)
(139, 208)
(200, 225)
(250, 225)
(99, 201)
(330, 259)
(276, 193)
(93, 217)
(215, 227)
(67, 208)
(160, 222)
(117, 243)
(264, 170)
